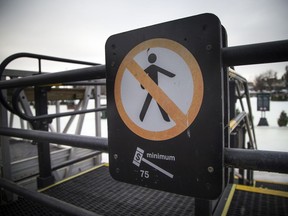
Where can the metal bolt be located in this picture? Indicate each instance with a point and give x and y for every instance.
(208, 47)
(115, 156)
(210, 169)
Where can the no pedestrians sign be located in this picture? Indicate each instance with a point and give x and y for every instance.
(147, 76)
(165, 106)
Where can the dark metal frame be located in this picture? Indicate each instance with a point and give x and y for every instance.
(269, 161)
(231, 56)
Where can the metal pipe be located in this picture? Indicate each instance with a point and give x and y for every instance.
(87, 83)
(250, 115)
(241, 79)
(233, 74)
(47, 117)
(45, 200)
(88, 73)
(87, 94)
(269, 52)
(271, 161)
(76, 160)
(236, 121)
(80, 141)
(15, 56)
(72, 117)
(64, 164)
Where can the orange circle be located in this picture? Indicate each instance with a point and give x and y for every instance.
(197, 96)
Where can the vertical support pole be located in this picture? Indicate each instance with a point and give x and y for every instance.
(97, 96)
(233, 136)
(226, 119)
(250, 177)
(5, 151)
(226, 104)
(58, 123)
(241, 145)
(45, 174)
(203, 207)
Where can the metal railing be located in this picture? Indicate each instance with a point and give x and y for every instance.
(41, 121)
(231, 56)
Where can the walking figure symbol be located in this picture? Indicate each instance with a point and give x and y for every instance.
(153, 71)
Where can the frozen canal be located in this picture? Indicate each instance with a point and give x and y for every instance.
(272, 137)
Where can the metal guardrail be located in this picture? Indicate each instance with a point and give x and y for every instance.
(271, 161)
(240, 158)
(236, 121)
(80, 141)
(95, 71)
(247, 118)
(239, 55)
(269, 52)
(231, 56)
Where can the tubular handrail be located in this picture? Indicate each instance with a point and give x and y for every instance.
(271, 161)
(97, 71)
(80, 141)
(48, 117)
(65, 164)
(268, 52)
(50, 79)
(247, 118)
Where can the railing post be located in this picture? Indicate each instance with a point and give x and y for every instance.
(203, 207)
(233, 135)
(5, 152)
(45, 174)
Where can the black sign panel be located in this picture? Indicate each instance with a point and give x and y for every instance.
(263, 102)
(165, 106)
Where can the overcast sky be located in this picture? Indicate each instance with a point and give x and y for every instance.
(79, 29)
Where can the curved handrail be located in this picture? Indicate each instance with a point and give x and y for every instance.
(15, 108)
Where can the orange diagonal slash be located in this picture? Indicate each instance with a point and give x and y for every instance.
(158, 95)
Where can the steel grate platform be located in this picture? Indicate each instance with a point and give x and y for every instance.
(271, 185)
(26, 207)
(96, 191)
(257, 204)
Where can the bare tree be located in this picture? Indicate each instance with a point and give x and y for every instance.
(265, 80)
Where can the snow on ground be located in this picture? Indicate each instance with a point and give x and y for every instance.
(272, 137)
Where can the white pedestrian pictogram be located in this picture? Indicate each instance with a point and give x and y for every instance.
(158, 89)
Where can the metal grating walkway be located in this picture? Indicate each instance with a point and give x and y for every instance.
(96, 191)
(271, 185)
(258, 202)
